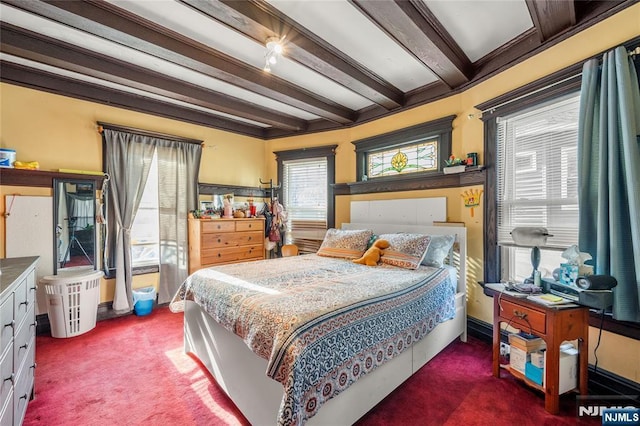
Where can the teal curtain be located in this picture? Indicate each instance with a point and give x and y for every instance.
(609, 175)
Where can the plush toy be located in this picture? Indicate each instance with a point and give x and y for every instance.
(372, 255)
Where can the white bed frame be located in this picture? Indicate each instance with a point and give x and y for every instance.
(242, 374)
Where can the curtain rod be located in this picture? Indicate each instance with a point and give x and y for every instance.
(571, 72)
(102, 126)
(526, 95)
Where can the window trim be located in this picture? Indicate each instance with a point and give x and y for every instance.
(327, 151)
(548, 88)
(440, 129)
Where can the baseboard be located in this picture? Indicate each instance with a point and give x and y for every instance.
(105, 312)
(601, 382)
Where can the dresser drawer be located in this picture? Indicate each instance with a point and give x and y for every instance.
(6, 377)
(230, 239)
(24, 339)
(231, 254)
(250, 225)
(219, 225)
(6, 410)
(20, 302)
(523, 317)
(6, 322)
(24, 385)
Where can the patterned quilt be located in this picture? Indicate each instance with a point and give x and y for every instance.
(320, 322)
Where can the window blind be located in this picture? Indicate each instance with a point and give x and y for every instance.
(537, 171)
(305, 199)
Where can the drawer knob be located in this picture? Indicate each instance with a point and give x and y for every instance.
(250, 225)
(10, 379)
(25, 346)
(12, 324)
(218, 226)
(25, 396)
(34, 287)
(219, 255)
(218, 239)
(249, 238)
(25, 303)
(34, 366)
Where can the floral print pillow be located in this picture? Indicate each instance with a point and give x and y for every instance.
(345, 243)
(406, 250)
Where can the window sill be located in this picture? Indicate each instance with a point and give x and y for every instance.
(411, 183)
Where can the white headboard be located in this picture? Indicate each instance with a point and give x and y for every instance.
(459, 232)
(408, 211)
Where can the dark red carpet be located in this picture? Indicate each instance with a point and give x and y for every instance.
(132, 371)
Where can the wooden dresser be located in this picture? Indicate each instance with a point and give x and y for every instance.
(17, 337)
(219, 241)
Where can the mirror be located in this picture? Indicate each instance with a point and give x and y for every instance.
(74, 215)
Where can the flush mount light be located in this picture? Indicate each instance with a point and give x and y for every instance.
(274, 51)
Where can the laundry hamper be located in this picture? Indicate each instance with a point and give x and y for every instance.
(72, 301)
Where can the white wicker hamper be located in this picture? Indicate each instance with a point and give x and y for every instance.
(72, 302)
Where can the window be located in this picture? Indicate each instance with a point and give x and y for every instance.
(537, 182)
(304, 189)
(420, 157)
(306, 177)
(145, 231)
(416, 149)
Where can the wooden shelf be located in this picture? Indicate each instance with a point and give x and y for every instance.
(40, 178)
(412, 183)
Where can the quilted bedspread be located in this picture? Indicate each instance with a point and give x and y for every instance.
(320, 322)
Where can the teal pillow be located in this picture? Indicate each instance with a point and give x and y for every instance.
(438, 250)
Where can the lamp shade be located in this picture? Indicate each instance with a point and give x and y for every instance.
(530, 236)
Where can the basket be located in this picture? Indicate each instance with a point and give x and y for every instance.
(72, 302)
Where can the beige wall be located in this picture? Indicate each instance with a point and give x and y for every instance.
(61, 132)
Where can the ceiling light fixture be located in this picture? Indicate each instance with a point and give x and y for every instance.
(274, 51)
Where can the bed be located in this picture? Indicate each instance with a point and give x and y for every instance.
(277, 376)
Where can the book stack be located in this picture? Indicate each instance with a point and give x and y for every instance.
(522, 346)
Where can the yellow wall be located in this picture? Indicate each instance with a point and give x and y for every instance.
(468, 137)
(61, 132)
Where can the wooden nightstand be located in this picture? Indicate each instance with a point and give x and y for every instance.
(554, 325)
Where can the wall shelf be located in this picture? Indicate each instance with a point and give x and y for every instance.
(41, 178)
(411, 183)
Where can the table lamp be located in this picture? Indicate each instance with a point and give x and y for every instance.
(530, 236)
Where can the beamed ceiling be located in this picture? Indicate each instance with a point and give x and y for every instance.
(345, 62)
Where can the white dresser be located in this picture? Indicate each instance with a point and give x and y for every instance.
(17, 337)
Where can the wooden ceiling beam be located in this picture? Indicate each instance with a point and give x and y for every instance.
(259, 20)
(42, 49)
(65, 86)
(109, 22)
(551, 17)
(414, 28)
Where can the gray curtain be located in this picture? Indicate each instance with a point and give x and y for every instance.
(178, 167)
(609, 175)
(128, 160)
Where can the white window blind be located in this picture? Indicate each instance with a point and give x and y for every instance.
(538, 172)
(305, 199)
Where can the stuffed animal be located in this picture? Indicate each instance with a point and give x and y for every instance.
(373, 254)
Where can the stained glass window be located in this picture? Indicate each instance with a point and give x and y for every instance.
(420, 157)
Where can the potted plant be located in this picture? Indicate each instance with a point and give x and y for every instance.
(454, 165)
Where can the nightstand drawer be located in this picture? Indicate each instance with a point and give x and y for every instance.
(528, 320)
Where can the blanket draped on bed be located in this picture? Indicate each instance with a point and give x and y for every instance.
(320, 322)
